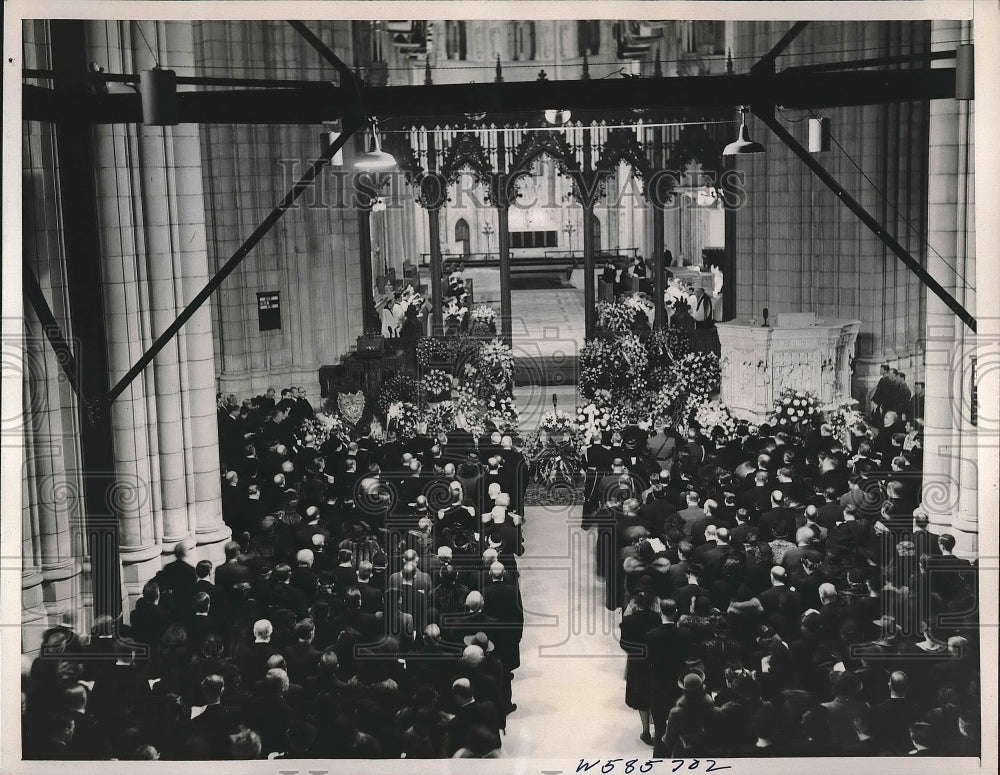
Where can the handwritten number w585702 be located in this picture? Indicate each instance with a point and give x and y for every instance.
(632, 766)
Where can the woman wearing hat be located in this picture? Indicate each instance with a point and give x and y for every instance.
(634, 628)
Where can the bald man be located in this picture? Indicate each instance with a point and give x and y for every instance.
(502, 601)
(475, 619)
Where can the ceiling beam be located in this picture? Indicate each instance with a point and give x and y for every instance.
(439, 103)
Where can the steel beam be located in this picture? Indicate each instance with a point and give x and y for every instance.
(766, 63)
(62, 349)
(314, 105)
(234, 261)
(865, 217)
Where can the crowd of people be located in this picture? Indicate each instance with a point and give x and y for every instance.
(783, 594)
(368, 606)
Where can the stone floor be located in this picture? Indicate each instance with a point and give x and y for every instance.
(570, 688)
(546, 320)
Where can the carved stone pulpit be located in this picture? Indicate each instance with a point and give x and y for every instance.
(798, 351)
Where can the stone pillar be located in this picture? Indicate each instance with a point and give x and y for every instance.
(965, 524)
(51, 481)
(166, 440)
(947, 236)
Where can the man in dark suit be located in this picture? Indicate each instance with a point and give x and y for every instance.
(515, 474)
(757, 498)
(597, 458)
(302, 657)
(456, 627)
(779, 597)
(215, 720)
(253, 661)
(202, 622)
(829, 513)
(232, 571)
(371, 595)
(658, 503)
(178, 582)
(90, 739)
(882, 395)
(690, 515)
(504, 528)
(472, 717)
(502, 602)
(925, 541)
(778, 521)
(666, 653)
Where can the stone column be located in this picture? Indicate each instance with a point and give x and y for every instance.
(965, 524)
(50, 470)
(943, 354)
(155, 261)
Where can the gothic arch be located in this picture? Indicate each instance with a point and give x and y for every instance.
(623, 146)
(538, 144)
(467, 153)
(695, 144)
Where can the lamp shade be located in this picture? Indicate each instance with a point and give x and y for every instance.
(743, 144)
(376, 159)
(557, 117)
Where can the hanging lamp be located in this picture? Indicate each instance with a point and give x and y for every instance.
(743, 144)
(375, 160)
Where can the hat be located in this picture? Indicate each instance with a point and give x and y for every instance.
(691, 680)
(479, 639)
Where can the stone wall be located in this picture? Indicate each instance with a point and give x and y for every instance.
(312, 256)
(797, 247)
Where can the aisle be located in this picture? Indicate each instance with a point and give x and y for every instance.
(570, 688)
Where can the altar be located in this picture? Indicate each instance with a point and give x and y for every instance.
(798, 351)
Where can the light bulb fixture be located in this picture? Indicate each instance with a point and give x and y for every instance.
(819, 134)
(557, 117)
(375, 160)
(743, 144)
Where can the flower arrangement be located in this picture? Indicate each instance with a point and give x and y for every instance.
(440, 418)
(795, 406)
(715, 419)
(666, 404)
(557, 422)
(503, 413)
(402, 417)
(483, 320)
(437, 385)
(616, 317)
(700, 373)
(643, 307)
(597, 367)
(496, 363)
(594, 418)
(551, 461)
(320, 430)
(845, 422)
(453, 311)
(431, 351)
(469, 412)
(399, 388)
(631, 359)
(409, 299)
